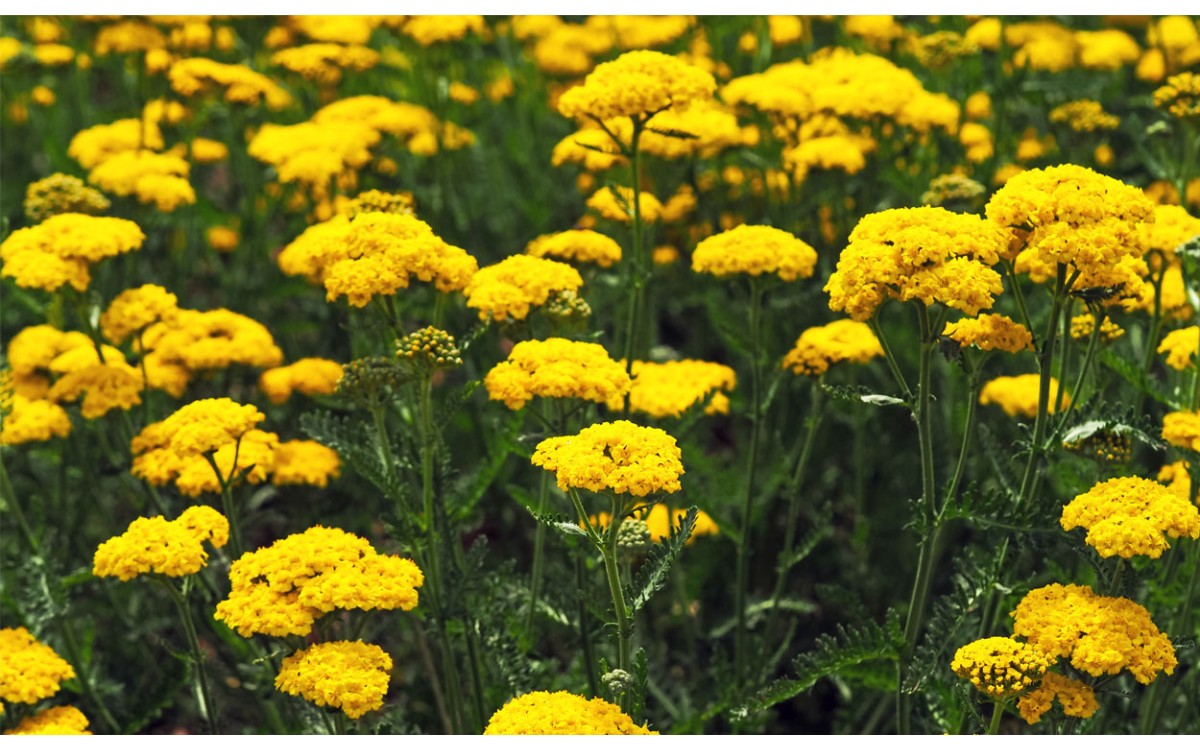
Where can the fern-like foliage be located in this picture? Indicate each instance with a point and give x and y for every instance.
(652, 575)
(355, 444)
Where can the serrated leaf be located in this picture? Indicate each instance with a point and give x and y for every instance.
(652, 574)
(673, 133)
(1132, 373)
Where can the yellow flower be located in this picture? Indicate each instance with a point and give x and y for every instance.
(979, 106)
(103, 387)
(1000, 667)
(1172, 227)
(755, 250)
(509, 289)
(1178, 478)
(1181, 346)
(1075, 697)
(160, 179)
(613, 456)
(556, 368)
(255, 455)
(210, 340)
(34, 421)
(305, 462)
(991, 332)
(1018, 395)
(59, 250)
(35, 347)
(134, 309)
(1130, 516)
(241, 85)
(820, 347)
(324, 63)
(669, 389)
(661, 519)
(62, 194)
(1100, 634)
(203, 426)
(99, 143)
(29, 669)
(311, 376)
(1182, 429)
(543, 713)
(156, 545)
(615, 203)
(429, 30)
(282, 589)
(637, 84)
(1082, 327)
(59, 720)
(350, 675)
(1084, 116)
(580, 245)
(1180, 96)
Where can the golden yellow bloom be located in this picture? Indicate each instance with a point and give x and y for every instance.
(991, 333)
(556, 368)
(305, 462)
(1082, 327)
(1182, 429)
(324, 63)
(311, 376)
(1180, 96)
(156, 545)
(1107, 49)
(669, 389)
(204, 426)
(637, 84)
(29, 669)
(340, 29)
(33, 421)
(429, 30)
(1084, 116)
(1130, 516)
(350, 675)
(255, 455)
(282, 589)
(62, 194)
(1178, 478)
(210, 340)
(153, 178)
(979, 106)
(197, 76)
(1075, 697)
(1018, 395)
(59, 250)
(1172, 227)
(1000, 667)
(510, 288)
(1101, 634)
(1181, 346)
(134, 309)
(613, 456)
(755, 250)
(59, 720)
(820, 347)
(615, 203)
(99, 143)
(928, 253)
(580, 245)
(543, 713)
(128, 36)
(104, 387)
(208, 151)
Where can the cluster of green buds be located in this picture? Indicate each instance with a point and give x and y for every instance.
(618, 682)
(62, 194)
(368, 382)
(954, 191)
(430, 349)
(633, 538)
(568, 308)
(1103, 446)
(377, 201)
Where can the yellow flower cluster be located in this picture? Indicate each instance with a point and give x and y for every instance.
(928, 254)
(61, 249)
(282, 589)
(619, 456)
(1182, 429)
(104, 387)
(637, 84)
(59, 720)
(62, 194)
(1180, 96)
(417, 128)
(99, 143)
(1071, 215)
(1000, 667)
(579, 245)
(156, 545)
(1082, 327)
(1075, 697)
(991, 332)
(820, 347)
(1129, 516)
(161, 179)
(1172, 227)
(509, 289)
(196, 76)
(33, 420)
(1178, 478)
(376, 253)
(1084, 116)
(428, 30)
(755, 250)
(556, 368)
(669, 389)
(29, 669)
(311, 376)
(135, 309)
(543, 713)
(350, 675)
(1181, 347)
(324, 63)
(1101, 634)
(194, 341)
(305, 462)
(1018, 395)
(314, 153)
(844, 152)
(615, 203)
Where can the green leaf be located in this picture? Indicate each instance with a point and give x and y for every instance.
(1132, 372)
(673, 133)
(652, 575)
(861, 394)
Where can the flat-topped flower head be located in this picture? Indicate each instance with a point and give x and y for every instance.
(62, 248)
(637, 84)
(511, 288)
(59, 720)
(311, 376)
(350, 675)
(1129, 516)
(304, 462)
(1099, 634)
(991, 332)
(134, 309)
(156, 545)
(1182, 429)
(62, 194)
(1000, 667)
(755, 250)
(1018, 395)
(669, 389)
(927, 254)
(544, 713)
(579, 245)
(1181, 347)
(204, 426)
(102, 388)
(284, 588)
(1076, 698)
(556, 368)
(29, 669)
(1180, 95)
(619, 457)
(30, 420)
(820, 347)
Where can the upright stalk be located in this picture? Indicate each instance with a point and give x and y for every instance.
(638, 275)
(189, 628)
(85, 679)
(743, 557)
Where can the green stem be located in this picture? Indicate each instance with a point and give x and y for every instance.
(235, 530)
(743, 557)
(10, 500)
(208, 709)
(1093, 345)
(997, 715)
(638, 277)
(901, 382)
(76, 657)
(585, 632)
(1156, 317)
(612, 572)
(968, 435)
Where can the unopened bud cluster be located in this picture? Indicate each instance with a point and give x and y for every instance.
(430, 347)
